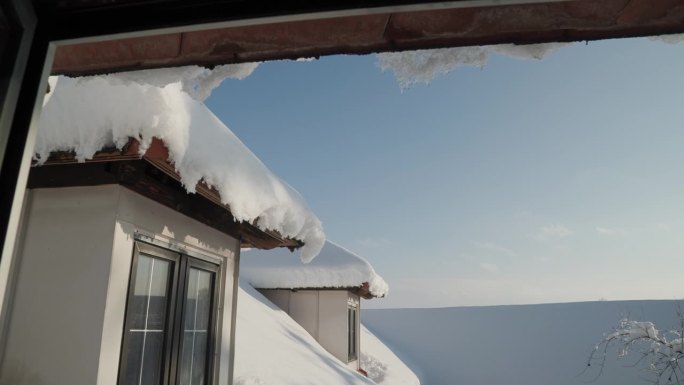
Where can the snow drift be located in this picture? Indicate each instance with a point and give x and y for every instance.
(272, 349)
(381, 364)
(85, 115)
(335, 267)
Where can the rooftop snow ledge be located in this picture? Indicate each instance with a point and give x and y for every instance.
(85, 115)
(421, 66)
(335, 267)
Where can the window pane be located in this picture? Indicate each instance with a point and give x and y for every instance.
(196, 328)
(351, 343)
(147, 310)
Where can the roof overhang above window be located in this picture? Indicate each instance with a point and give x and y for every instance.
(347, 28)
(153, 176)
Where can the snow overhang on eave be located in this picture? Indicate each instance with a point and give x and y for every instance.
(395, 27)
(153, 176)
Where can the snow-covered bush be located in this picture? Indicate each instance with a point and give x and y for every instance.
(661, 353)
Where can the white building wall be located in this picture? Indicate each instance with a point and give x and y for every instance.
(280, 298)
(333, 322)
(57, 314)
(67, 319)
(115, 305)
(304, 310)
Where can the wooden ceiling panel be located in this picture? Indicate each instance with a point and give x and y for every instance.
(117, 55)
(283, 40)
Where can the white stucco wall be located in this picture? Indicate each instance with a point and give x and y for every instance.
(67, 317)
(333, 322)
(57, 313)
(280, 298)
(323, 313)
(304, 310)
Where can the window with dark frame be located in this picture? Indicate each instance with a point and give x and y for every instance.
(170, 319)
(351, 335)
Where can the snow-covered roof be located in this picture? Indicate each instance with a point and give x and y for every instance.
(335, 267)
(85, 115)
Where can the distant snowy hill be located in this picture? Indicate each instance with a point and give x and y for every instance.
(272, 349)
(513, 345)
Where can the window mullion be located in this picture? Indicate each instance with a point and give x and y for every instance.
(194, 326)
(147, 317)
(181, 292)
(169, 342)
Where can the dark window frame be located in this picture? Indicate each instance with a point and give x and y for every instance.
(352, 332)
(173, 341)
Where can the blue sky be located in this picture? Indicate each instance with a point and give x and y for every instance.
(525, 181)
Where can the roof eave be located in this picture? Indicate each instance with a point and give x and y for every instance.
(156, 156)
(362, 290)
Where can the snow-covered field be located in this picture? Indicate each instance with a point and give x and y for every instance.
(272, 349)
(514, 345)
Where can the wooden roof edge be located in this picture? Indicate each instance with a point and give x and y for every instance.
(362, 290)
(157, 155)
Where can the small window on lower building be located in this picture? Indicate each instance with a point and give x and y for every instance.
(352, 321)
(170, 318)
